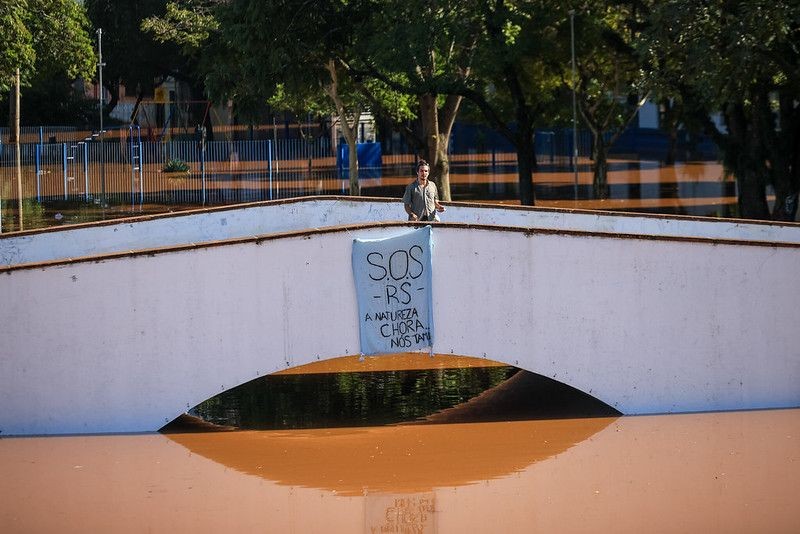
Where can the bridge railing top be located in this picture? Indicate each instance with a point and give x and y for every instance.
(311, 214)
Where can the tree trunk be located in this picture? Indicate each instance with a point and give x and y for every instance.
(352, 165)
(669, 123)
(444, 127)
(744, 158)
(784, 144)
(785, 208)
(600, 157)
(442, 170)
(525, 175)
(113, 90)
(526, 161)
(672, 145)
(349, 132)
(752, 199)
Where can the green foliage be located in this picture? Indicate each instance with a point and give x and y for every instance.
(52, 100)
(33, 213)
(45, 38)
(275, 55)
(132, 57)
(740, 58)
(17, 50)
(190, 25)
(609, 84)
(175, 165)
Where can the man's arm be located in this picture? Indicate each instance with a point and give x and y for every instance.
(407, 204)
(439, 207)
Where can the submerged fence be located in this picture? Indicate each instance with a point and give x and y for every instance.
(125, 169)
(129, 170)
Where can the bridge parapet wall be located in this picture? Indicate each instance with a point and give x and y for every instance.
(647, 325)
(266, 218)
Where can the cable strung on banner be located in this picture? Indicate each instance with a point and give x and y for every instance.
(393, 289)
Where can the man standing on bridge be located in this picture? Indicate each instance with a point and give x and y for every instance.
(421, 198)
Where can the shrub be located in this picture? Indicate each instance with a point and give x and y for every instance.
(175, 165)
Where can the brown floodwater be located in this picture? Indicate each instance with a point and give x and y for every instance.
(711, 472)
(688, 188)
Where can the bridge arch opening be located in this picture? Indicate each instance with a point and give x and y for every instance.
(404, 388)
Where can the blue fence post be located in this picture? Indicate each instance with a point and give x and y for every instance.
(38, 159)
(203, 168)
(141, 169)
(340, 164)
(135, 155)
(64, 166)
(86, 169)
(269, 158)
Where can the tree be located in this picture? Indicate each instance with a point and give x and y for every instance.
(132, 58)
(278, 53)
(46, 40)
(438, 47)
(17, 51)
(610, 86)
(741, 59)
(41, 38)
(516, 74)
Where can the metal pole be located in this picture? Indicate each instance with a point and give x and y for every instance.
(100, 66)
(65, 164)
(132, 158)
(141, 165)
(85, 170)
(275, 144)
(203, 162)
(574, 103)
(17, 148)
(269, 157)
(38, 166)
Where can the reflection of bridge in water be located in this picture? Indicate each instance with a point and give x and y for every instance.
(645, 313)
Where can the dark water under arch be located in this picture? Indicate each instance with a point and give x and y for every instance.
(350, 399)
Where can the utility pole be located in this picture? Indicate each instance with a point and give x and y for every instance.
(100, 66)
(18, 150)
(574, 103)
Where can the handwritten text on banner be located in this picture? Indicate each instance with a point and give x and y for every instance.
(393, 288)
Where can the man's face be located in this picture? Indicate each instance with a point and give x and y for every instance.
(422, 175)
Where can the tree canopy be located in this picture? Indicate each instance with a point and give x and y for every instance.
(44, 38)
(49, 42)
(740, 59)
(413, 62)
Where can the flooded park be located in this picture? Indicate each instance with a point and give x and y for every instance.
(231, 301)
(413, 443)
(58, 198)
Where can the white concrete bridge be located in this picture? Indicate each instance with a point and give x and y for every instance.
(120, 327)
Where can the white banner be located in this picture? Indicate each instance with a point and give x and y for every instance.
(393, 288)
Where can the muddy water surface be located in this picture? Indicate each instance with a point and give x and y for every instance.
(691, 188)
(712, 472)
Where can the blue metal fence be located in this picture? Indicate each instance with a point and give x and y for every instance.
(125, 169)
